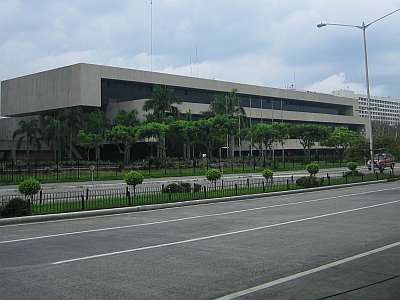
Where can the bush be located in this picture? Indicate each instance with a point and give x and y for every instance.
(172, 188)
(185, 187)
(181, 187)
(309, 181)
(133, 178)
(352, 166)
(213, 175)
(29, 187)
(197, 187)
(313, 169)
(16, 207)
(268, 174)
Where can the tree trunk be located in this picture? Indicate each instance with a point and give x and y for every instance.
(127, 154)
(27, 146)
(97, 149)
(70, 146)
(232, 146)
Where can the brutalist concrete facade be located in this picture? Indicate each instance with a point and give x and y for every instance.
(84, 85)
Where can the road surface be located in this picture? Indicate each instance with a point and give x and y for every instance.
(306, 246)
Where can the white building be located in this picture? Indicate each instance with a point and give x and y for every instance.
(384, 109)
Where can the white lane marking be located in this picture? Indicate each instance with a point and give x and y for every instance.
(198, 205)
(306, 273)
(220, 235)
(182, 219)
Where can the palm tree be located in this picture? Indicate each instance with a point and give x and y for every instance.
(28, 132)
(161, 103)
(229, 104)
(72, 119)
(53, 133)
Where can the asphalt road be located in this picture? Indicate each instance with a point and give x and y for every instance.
(313, 245)
(157, 183)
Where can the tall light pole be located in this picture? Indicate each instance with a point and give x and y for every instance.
(364, 27)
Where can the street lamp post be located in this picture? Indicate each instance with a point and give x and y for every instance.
(364, 27)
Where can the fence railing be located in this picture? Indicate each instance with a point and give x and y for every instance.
(90, 199)
(14, 173)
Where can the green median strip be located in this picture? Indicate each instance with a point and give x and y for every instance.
(95, 202)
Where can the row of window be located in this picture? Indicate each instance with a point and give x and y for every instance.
(120, 91)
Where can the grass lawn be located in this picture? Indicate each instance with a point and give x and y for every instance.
(117, 199)
(72, 175)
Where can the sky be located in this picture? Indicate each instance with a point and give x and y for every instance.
(266, 42)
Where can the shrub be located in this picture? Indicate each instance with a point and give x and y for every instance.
(185, 187)
(313, 169)
(29, 187)
(181, 187)
(133, 178)
(197, 187)
(352, 166)
(16, 207)
(268, 174)
(309, 181)
(213, 175)
(172, 188)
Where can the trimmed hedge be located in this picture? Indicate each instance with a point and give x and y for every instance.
(213, 175)
(309, 181)
(268, 174)
(133, 178)
(16, 207)
(313, 169)
(29, 187)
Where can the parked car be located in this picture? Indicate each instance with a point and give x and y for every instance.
(382, 161)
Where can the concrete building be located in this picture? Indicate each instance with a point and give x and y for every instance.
(384, 109)
(113, 89)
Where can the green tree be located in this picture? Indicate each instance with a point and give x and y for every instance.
(125, 136)
(221, 127)
(127, 118)
(29, 133)
(185, 130)
(308, 135)
(94, 134)
(358, 150)
(264, 134)
(53, 133)
(229, 104)
(340, 139)
(72, 119)
(96, 122)
(282, 135)
(156, 131)
(91, 141)
(388, 143)
(162, 103)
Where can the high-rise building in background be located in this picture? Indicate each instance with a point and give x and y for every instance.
(384, 109)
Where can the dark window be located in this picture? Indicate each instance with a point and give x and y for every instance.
(120, 91)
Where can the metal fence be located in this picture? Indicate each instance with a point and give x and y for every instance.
(90, 199)
(14, 173)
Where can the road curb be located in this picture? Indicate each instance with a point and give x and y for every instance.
(114, 211)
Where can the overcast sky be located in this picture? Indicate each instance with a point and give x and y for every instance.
(266, 42)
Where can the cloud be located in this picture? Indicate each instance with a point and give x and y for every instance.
(267, 42)
(338, 82)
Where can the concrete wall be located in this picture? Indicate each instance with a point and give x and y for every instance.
(44, 91)
(80, 85)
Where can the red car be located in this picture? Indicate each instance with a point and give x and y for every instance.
(382, 161)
